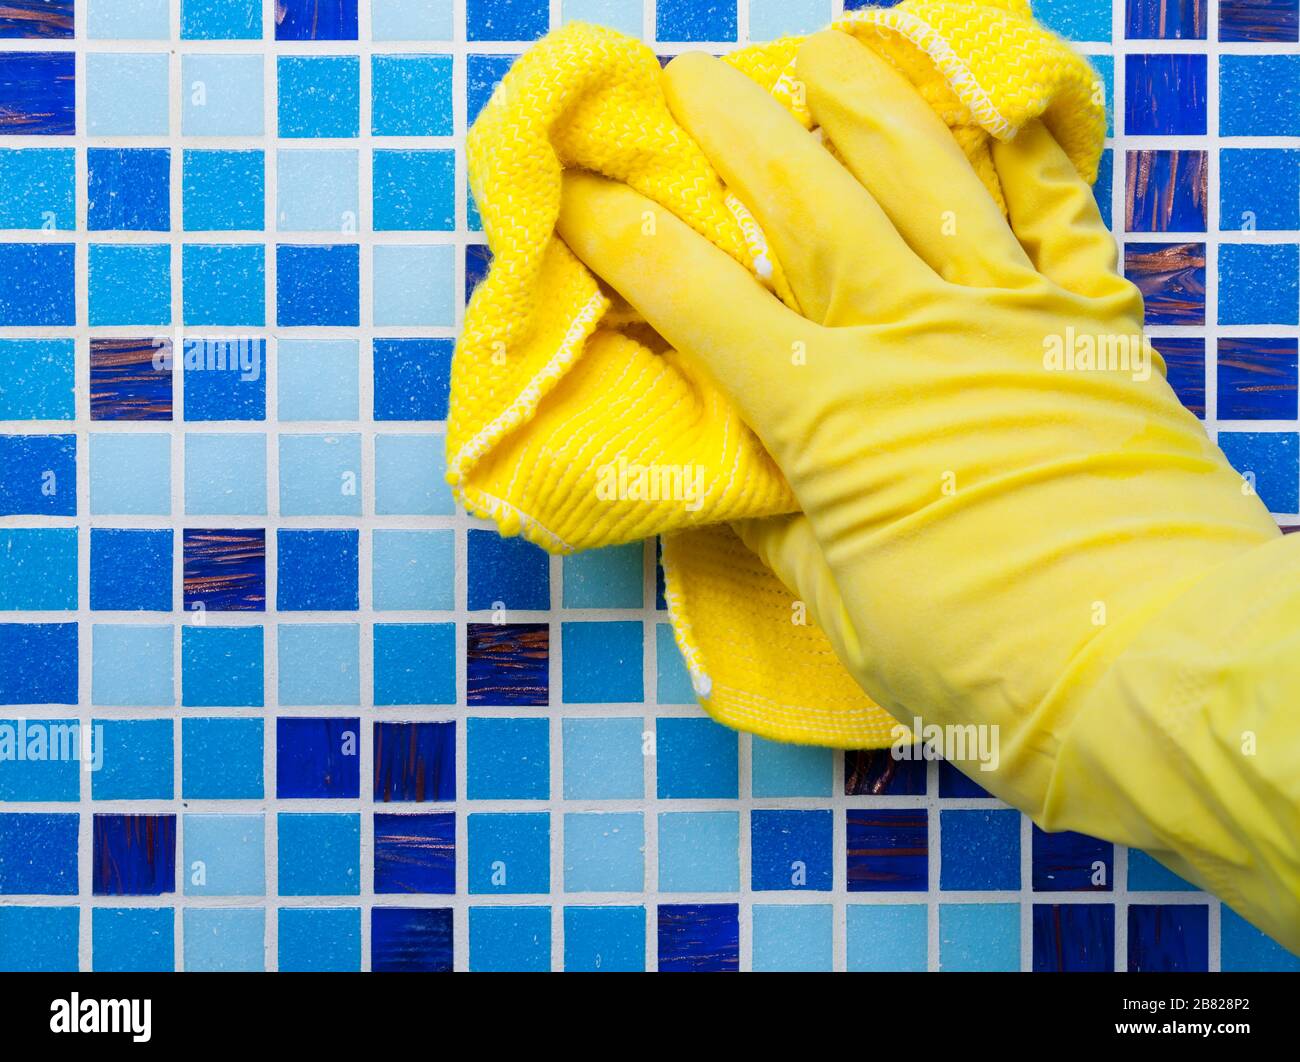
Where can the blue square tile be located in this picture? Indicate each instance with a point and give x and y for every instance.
(696, 758)
(317, 570)
(1242, 947)
(888, 849)
(130, 284)
(38, 475)
(133, 939)
(415, 663)
(38, 92)
(1166, 191)
(695, 20)
(1267, 461)
(39, 939)
(507, 663)
(319, 95)
(699, 851)
(1165, 20)
(224, 284)
(224, 379)
(413, 569)
(130, 379)
(319, 663)
(130, 474)
(672, 680)
(315, 940)
(317, 379)
(223, 190)
(225, 855)
(413, 285)
(317, 284)
(37, 284)
(38, 568)
(1259, 95)
(415, 761)
(411, 939)
(510, 939)
(38, 188)
(39, 385)
(1146, 875)
(224, 569)
(410, 476)
(38, 854)
(781, 770)
(128, 188)
(506, 574)
(509, 759)
(126, 94)
(878, 772)
(980, 850)
(1259, 283)
(604, 759)
(1259, 189)
(506, 20)
(221, 20)
(130, 570)
(221, 667)
(1076, 20)
(412, 378)
(1259, 20)
(1185, 367)
(478, 260)
(979, 937)
(410, 95)
(137, 760)
(482, 75)
(509, 853)
(887, 937)
(793, 938)
(317, 758)
(602, 662)
(410, 20)
(1071, 862)
(36, 19)
(319, 855)
(416, 853)
(316, 190)
(1257, 378)
(791, 850)
(770, 19)
(604, 939)
(605, 578)
(134, 855)
(1074, 938)
(1171, 277)
(225, 939)
(1164, 95)
(310, 20)
(132, 665)
(414, 190)
(1166, 938)
(221, 759)
(38, 663)
(222, 95)
(320, 475)
(699, 937)
(41, 760)
(604, 852)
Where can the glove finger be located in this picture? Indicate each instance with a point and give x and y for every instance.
(837, 246)
(893, 142)
(1054, 215)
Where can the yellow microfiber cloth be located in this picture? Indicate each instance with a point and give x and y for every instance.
(573, 424)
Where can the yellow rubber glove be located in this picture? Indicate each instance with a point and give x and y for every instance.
(993, 532)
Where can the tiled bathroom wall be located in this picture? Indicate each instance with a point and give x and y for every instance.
(324, 721)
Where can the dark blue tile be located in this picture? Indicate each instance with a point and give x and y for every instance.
(1171, 277)
(1165, 20)
(699, 938)
(482, 74)
(954, 783)
(316, 20)
(135, 855)
(877, 772)
(318, 284)
(225, 379)
(888, 849)
(1168, 938)
(1103, 187)
(411, 940)
(1164, 95)
(1074, 937)
(316, 570)
(478, 259)
(46, 19)
(130, 570)
(979, 850)
(225, 569)
(317, 758)
(1259, 21)
(695, 20)
(37, 93)
(412, 378)
(415, 761)
(1257, 378)
(1072, 862)
(38, 475)
(506, 20)
(792, 850)
(1165, 191)
(1185, 368)
(506, 573)
(415, 853)
(128, 188)
(38, 854)
(130, 379)
(37, 283)
(507, 664)
(38, 663)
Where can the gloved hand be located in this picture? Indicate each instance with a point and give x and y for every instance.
(992, 532)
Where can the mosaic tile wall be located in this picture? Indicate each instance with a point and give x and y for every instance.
(337, 725)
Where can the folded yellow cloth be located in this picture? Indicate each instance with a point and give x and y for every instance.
(573, 424)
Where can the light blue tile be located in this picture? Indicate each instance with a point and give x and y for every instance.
(413, 569)
(139, 20)
(622, 15)
(318, 379)
(316, 190)
(769, 19)
(226, 939)
(604, 759)
(409, 471)
(604, 852)
(699, 851)
(793, 937)
(126, 94)
(410, 20)
(225, 474)
(38, 939)
(887, 937)
(674, 681)
(221, 95)
(320, 475)
(415, 285)
(781, 770)
(605, 578)
(132, 665)
(130, 474)
(319, 663)
(225, 855)
(979, 937)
